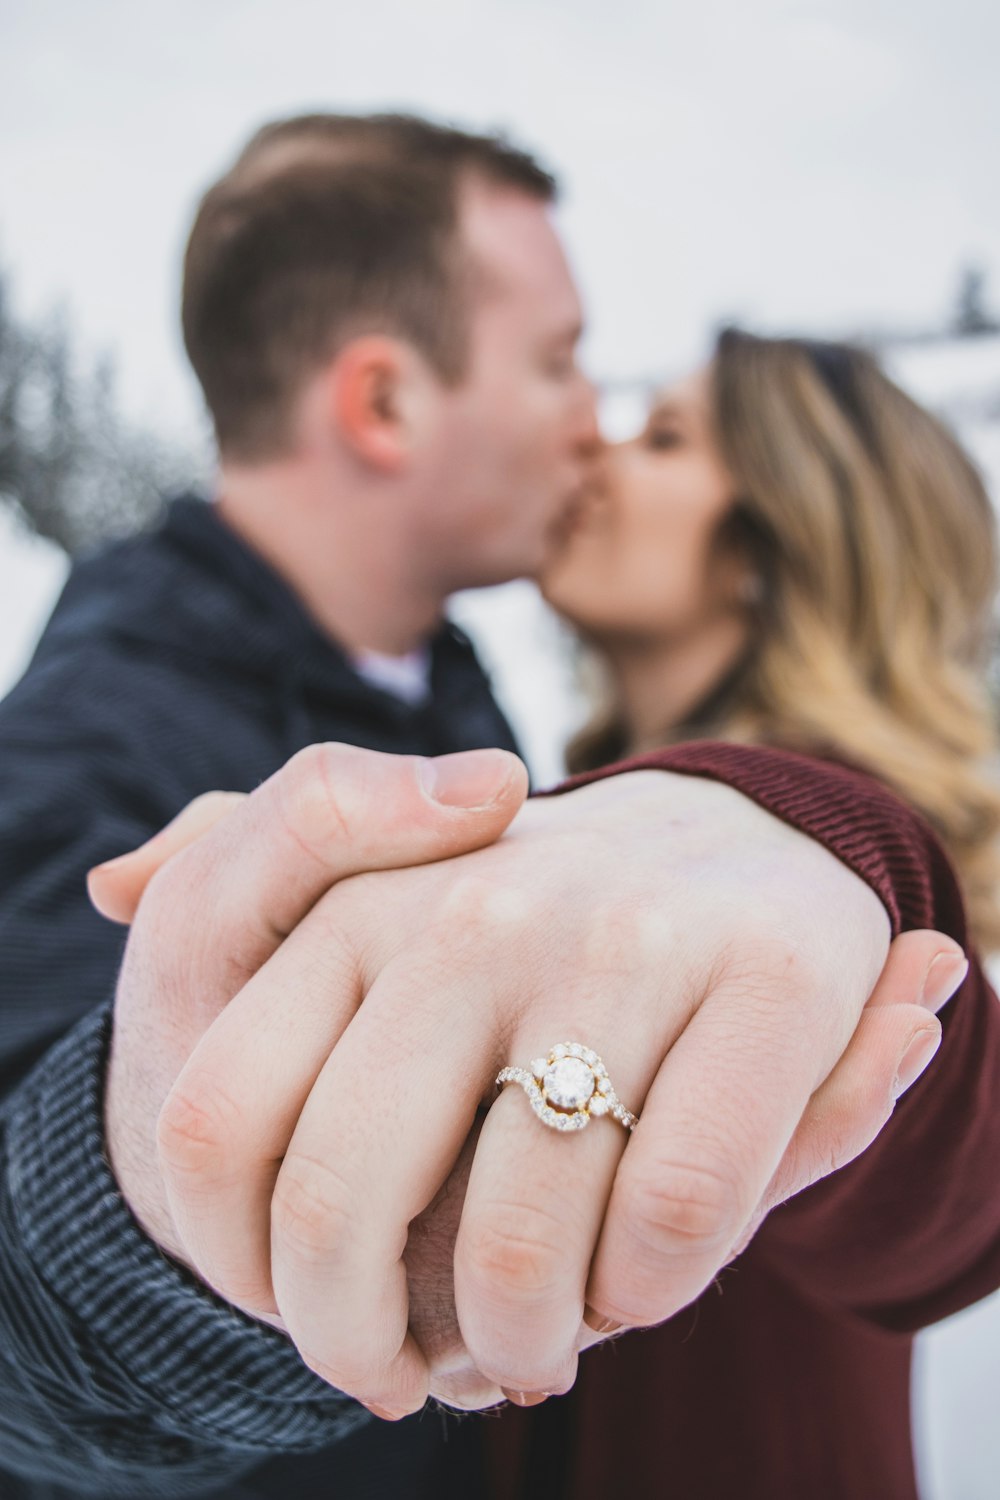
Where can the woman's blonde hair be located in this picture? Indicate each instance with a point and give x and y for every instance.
(870, 539)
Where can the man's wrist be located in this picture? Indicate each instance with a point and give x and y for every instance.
(205, 1368)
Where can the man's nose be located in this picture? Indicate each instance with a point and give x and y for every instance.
(588, 432)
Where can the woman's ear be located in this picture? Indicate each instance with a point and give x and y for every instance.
(741, 549)
(750, 587)
(370, 403)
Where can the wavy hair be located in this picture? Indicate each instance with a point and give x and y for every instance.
(871, 539)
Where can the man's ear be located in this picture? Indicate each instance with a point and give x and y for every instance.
(372, 400)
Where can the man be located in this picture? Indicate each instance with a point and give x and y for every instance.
(385, 329)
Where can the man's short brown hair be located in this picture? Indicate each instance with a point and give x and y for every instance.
(328, 226)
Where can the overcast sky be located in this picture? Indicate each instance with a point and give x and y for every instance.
(823, 165)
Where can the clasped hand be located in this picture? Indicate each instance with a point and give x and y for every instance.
(324, 978)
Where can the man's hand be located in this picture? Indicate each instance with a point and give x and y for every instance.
(220, 907)
(653, 910)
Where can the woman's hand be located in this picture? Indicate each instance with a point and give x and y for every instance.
(665, 921)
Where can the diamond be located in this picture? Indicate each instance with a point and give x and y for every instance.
(569, 1086)
(569, 1083)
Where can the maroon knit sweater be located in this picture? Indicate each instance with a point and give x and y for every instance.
(789, 1379)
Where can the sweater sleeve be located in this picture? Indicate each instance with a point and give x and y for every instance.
(910, 1231)
(119, 1375)
(124, 1376)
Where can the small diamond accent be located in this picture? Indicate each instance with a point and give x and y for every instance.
(599, 1105)
(538, 1067)
(561, 1051)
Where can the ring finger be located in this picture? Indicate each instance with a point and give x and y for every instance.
(532, 1216)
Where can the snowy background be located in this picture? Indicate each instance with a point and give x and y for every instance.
(812, 167)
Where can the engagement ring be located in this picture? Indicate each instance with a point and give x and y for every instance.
(568, 1088)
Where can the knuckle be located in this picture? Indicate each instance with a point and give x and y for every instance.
(248, 1288)
(356, 1373)
(168, 892)
(316, 796)
(310, 1210)
(196, 1129)
(173, 914)
(629, 935)
(780, 982)
(683, 1208)
(764, 958)
(206, 810)
(517, 1252)
(484, 902)
(350, 1380)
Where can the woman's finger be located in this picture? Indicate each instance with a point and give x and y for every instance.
(233, 1109)
(532, 1217)
(891, 1047)
(375, 1141)
(922, 968)
(713, 1129)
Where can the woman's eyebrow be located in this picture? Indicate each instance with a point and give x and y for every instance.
(660, 409)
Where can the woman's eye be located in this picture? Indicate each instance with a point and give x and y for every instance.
(662, 437)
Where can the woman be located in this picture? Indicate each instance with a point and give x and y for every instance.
(794, 553)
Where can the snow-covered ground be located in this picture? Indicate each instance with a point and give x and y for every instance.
(958, 1363)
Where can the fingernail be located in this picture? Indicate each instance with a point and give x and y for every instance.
(526, 1398)
(109, 864)
(469, 779)
(918, 1054)
(383, 1412)
(598, 1324)
(944, 975)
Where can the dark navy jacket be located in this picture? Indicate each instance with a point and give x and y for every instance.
(174, 663)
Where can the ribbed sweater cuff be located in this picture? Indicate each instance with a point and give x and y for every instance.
(146, 1328)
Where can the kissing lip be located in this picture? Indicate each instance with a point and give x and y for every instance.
(581, 506)
(582, 512)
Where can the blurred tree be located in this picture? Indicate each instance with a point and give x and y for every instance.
(972, 314)
(72, 467)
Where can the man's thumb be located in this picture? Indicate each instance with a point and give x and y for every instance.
(477, 793)
(476, 780)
